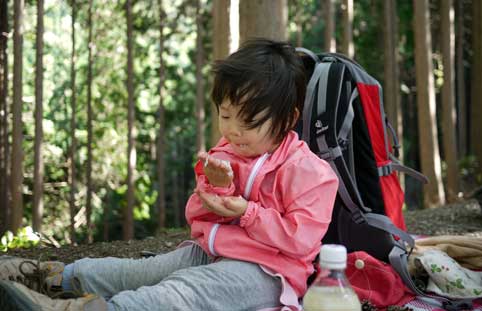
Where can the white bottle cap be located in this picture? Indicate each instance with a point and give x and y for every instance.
(333, 256)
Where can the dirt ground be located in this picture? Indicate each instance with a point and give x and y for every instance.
(457, 219)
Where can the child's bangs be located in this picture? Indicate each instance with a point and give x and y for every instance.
(254, 106)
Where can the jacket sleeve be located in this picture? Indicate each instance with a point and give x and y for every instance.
(308, 192)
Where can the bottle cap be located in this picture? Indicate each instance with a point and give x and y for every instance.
(333, 256)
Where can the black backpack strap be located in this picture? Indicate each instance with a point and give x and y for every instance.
(384, 223)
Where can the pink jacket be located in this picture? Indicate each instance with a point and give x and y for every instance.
(289, 210)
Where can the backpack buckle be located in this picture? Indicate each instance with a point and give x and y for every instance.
(343, 143)
(330, 154)
(385, 170)
(358, 217)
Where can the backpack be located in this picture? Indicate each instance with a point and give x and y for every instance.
(344, 123)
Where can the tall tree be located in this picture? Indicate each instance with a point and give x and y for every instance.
(299, 6)
(392, 71)
(200, 117)
(221, 42)
(176, 187)
(476, 86)
(17, 135)
(37, 211)
(330, 40)
(448, 99)
(160, 139)
(160, 150)
(73, 126)
(4, 144)
(128, 228)
(88, 203)
(348, 48)
(253, 21)
(460, 78)
(429, 148)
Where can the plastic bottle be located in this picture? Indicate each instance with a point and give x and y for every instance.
(331, 290)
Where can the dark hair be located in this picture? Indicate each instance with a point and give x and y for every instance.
(263, 76)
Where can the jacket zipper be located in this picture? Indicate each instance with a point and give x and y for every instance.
(247, 192)
(252, 175)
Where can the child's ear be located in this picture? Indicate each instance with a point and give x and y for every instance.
(295, 119)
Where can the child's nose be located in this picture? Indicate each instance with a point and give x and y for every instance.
(235, 130)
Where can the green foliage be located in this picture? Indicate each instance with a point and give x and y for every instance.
(109, 101)
(25, 238)
(470, 170)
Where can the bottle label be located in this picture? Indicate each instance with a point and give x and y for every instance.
(331, 299)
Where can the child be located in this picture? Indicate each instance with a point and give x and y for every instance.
(263, 202)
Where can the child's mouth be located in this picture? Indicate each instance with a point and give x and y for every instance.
(241, 145)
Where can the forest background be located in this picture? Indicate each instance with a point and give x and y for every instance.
(104, 104)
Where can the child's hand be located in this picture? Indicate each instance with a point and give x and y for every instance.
(227, 206)
(218, 172)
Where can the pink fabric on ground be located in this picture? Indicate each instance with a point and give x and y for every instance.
(376, 281)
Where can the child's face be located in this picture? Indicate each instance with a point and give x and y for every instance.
(245, 142)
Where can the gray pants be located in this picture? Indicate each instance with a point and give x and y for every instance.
(184, 279)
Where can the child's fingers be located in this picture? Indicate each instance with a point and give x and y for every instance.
(205, 201)
(226, 167)
(215, 163)
(209, 161)
(208, 198)
(227, 202)
(202, 154)
(204, 157)
(221, 164)
(231, 202)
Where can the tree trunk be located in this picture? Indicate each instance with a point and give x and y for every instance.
(17, 136)
(392, 73)
(160, 150)
(429, 148)
(4, 144)
(106, 216)
(184, 184)
(128, 230)
(37, 211)
(200, 119)
(460, 78)
(330, 40)
(221, 44)
(448, 99)
(73, 126)
(348, 48)
(88, 203)
(176, 192)
(299, 24)
(253, 21)
(476, 106)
